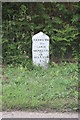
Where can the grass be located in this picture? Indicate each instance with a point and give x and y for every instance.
(54, 88)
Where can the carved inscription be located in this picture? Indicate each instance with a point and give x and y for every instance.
(40, 50)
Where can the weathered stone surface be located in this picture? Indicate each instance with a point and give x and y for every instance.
(40, 49)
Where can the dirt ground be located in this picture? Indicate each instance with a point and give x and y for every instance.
(24, 114)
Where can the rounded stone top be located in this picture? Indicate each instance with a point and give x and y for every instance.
(40, 35)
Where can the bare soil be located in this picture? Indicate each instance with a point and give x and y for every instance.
(41, 114)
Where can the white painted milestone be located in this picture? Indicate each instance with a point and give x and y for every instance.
(40, 49)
